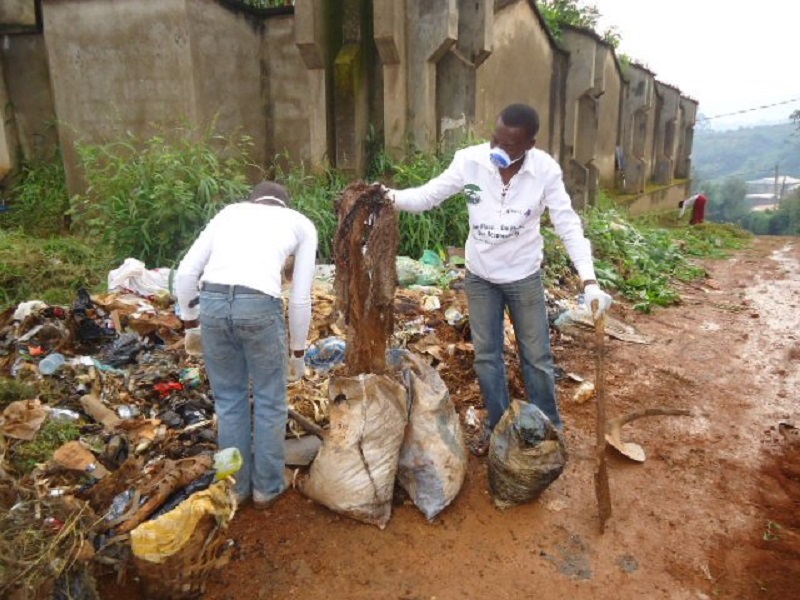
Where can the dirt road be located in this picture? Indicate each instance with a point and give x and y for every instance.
(712, 513)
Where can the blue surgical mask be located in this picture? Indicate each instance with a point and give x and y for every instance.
(501, 159)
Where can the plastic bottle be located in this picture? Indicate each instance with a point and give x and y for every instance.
(227, 462)
(52, 363)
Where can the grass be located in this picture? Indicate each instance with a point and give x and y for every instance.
(49, 269)
(25, 455)
(12, 390)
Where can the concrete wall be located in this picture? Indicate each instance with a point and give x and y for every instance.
(17, 15)
(637, 125)
(665, 198)
(308, 83)
(592, 119)
(30, 114)
(688, 117)
(519, 69)
(144, 66)
(665, 146)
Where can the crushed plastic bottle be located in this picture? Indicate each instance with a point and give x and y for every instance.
(52, 363)
(227, 462)
(120, 504)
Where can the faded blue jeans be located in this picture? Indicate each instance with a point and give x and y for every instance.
(525, 301)
(244, 339)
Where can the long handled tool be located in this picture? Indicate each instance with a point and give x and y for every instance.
(601, 487)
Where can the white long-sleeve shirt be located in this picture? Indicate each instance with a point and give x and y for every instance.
(504, 242)
(247, 244)
(688, 203)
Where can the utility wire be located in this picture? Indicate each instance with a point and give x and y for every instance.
(746, 110)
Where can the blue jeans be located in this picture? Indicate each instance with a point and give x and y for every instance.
(244, 339)
(525, 301)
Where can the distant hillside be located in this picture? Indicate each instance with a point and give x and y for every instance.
(746, 153)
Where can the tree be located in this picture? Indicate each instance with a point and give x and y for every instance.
(727, 202)
(573, 12)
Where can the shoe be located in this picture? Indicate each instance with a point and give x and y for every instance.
(479, 446)
(263, 502)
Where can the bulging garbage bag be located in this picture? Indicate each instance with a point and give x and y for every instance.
(354, 472)
(526, 455)
(433, 458)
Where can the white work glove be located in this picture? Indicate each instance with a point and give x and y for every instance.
(593, 292)
(388, 193)
(193, 341)
(297, 368)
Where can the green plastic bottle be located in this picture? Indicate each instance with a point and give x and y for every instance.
(227, 462)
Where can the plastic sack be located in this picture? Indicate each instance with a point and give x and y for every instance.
(354, 472)
(132, 275)
(157, 540)
(413, 272)
(326, 354)
(526, 455)
(433, 458)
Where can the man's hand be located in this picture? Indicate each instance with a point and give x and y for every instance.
(593, 292)
(193, 341)
(387, 193)
(297, 367)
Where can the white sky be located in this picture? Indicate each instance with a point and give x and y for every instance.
(729, 55)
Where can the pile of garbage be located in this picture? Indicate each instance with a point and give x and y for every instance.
(107, 423)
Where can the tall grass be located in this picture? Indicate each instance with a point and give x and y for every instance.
(38, 198)
(49, 269)
(150, 198)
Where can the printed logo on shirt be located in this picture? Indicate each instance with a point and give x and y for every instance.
(473, 193)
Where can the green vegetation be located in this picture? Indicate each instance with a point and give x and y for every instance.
(12, 390)
(25, 455)
(642, 257)
(149, 199)
(49, 269)
(40, 198)
(557, 13)
(746, 153)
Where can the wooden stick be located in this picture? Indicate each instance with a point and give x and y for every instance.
(601, 486)
(307, 424)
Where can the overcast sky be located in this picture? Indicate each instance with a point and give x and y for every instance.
(728, 55)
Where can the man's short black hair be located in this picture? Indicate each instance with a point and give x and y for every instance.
(521, 115)
(270, 188)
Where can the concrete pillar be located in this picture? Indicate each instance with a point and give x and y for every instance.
(390, 39)
(312, 42)
(17, 15)
(585, 85)
(666, 134)
(683, 165)
(435, 29)
(456, 73)
(6, 131)
(638, 117)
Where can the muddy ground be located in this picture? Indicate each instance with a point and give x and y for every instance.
(712, 512)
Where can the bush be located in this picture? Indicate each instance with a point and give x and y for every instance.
(150, 199)
(49, 269)
(39, 199)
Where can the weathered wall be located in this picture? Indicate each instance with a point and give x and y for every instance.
(17, 14)
(309, 83)
(433, 29)
(665, 146)
(662, 199)
(30, 114)
(608, 125)
(638, 128)
(140, 66)
(688, 112)
(592, 122)
(519, 69)
(6, 130)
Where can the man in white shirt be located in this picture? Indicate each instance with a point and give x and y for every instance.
(508, 184)
(237, 262)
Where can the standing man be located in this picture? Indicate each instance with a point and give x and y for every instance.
(698, 205)
(508, 184)
(236, 263)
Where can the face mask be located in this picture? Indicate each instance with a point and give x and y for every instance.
(501, 159)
